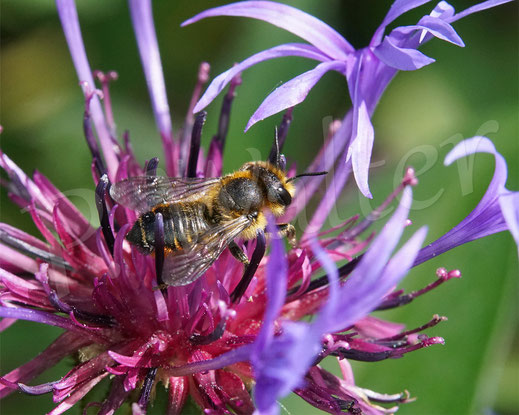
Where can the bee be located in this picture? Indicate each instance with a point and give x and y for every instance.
(204, 216)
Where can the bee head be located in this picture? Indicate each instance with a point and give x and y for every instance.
(274, 183)
(276, 190)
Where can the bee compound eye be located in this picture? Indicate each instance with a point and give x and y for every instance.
(284, 196)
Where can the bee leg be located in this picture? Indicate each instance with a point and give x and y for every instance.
(288, 230)
(238, 253)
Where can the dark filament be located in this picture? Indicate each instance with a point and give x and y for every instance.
(82, 315)
(195, 143)
(216, 334)
(322, 281)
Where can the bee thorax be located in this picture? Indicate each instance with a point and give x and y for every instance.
(241, 195)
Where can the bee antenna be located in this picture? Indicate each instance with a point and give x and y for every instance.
(275, 153)
(316, 173)
(276, 138)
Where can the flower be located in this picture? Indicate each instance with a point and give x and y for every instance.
(497, 210)
(368, 71)
(214, 339)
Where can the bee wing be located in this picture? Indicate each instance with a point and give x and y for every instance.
(144, 192)
(184, 267)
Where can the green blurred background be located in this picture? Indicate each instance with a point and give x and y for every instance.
(468, 91)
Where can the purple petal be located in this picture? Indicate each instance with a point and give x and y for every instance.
(284, 363)
(292, 92)
(289, 49)
(324, 161)
(332, 303)
(477, 8)
(329, 200)
(436, 27)
(301, 24)
(509, 204)
(360, 149)
(401, 262)
(238, 354)
(400, 58)
(495, 212)
(443, 10)
(276, 287)
(142, 19)
(70, 23)
(398, 8)
(275, 372)
(373, 278)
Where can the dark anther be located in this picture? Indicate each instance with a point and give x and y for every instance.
(90, 139)
(281, 136)
(433, 322)
(101, 191)
(216, 334)
(32, 251)
(146, 388)
(159, 249)
(151, 167)
(98, 319)
(225, 113)
(250, 269)
(362, 356)
(195, 143)
(395, 302)
(344, 271)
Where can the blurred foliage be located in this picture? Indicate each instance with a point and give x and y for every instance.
(468, 91)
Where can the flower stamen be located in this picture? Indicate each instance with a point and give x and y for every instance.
(195, 144)
(105, 79)
(102, 209)
(88, 132)
(146, 388)
(251, 268)
(398, 299)
(159, 250)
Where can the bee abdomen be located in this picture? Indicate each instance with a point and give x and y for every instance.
(183, 223)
